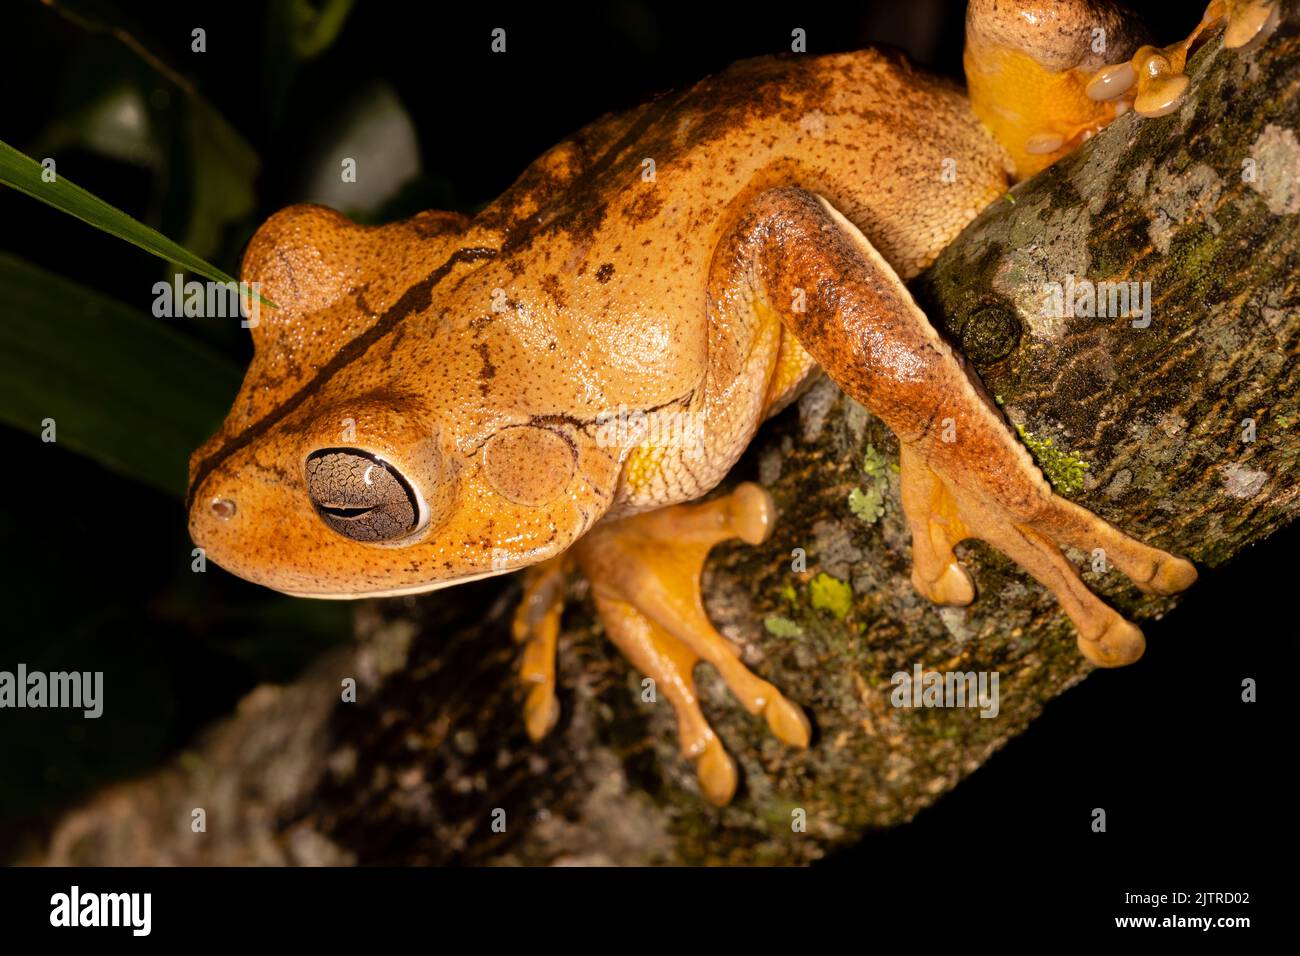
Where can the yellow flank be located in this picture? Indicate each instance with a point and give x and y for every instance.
(644, 464)
(792, 366)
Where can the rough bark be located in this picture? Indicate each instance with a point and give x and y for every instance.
(413, 772)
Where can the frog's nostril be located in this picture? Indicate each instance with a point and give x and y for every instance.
(223, 508)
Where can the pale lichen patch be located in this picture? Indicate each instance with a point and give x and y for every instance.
(954, 620)
(814, 406)
(1276, 177)
(835, 550)
(1136, 184)
(1242, 482)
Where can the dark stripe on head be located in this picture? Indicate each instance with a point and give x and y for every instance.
(415, 299)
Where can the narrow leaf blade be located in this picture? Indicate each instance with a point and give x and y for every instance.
(121, 386)
(23, 173)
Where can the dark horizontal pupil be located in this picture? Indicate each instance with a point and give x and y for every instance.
(346, 512)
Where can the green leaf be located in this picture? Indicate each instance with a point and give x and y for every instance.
(121, 386)
(27, 175)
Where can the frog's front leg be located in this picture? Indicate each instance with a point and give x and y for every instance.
(645, 578)
(964, 475)
(537, 627)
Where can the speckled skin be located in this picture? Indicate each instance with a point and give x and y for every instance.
(605, 302)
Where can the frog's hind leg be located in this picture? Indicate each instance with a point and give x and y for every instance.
(964, 473)
(645, 577)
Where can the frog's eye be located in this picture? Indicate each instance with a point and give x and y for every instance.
(360, 495)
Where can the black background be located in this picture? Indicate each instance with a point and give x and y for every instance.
(1192, 779)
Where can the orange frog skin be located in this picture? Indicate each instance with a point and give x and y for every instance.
(547, 384)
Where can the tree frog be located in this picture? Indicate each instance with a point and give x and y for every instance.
(553, 383)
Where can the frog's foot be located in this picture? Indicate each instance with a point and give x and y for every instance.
(537, 627)
(1154, 80)
(645, 578)
(1028, 68)
(942, 513)
(1046, 75)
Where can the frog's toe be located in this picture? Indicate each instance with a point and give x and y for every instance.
(1160, 86)
(1153, 571)
(1248, 20)
(670, 664)
(952, 588)
(541, 711)
(787, 721)
(1154, 79)
(717, 773)
(1119, 642)
(1105, 637)
(1173, 574)
(750, 514)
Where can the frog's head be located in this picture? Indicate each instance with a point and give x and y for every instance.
(385, 441)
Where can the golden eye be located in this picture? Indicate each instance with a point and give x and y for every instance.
(360, 495)
(528, 465)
